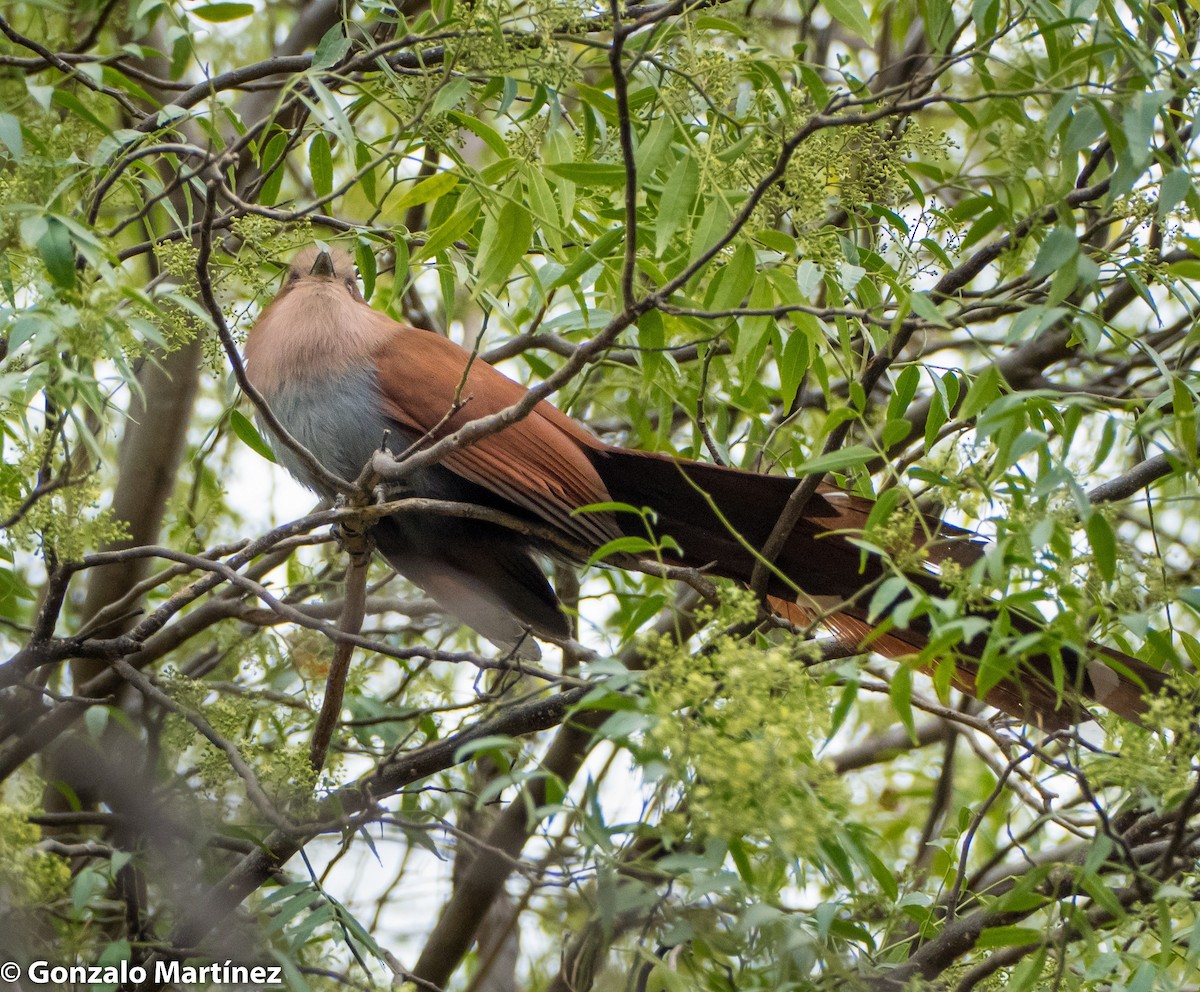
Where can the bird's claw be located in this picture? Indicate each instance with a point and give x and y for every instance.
(351, 535)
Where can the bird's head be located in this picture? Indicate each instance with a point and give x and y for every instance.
(316, 266)
(317, 326)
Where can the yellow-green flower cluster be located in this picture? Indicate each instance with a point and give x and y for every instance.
(736, 727)
(27, 876)
(281, 765)
(1158, 766)
(66, 521)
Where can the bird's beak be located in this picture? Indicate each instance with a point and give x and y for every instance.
(322, 265)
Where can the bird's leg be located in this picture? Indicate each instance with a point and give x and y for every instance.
(352, 532)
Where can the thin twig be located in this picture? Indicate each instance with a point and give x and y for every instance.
(353, 610)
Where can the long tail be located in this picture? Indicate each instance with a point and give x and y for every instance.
(718, 515)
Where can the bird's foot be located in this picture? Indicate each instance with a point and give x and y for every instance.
(352, 532)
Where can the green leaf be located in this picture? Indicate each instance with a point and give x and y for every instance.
(792, 365)
(288, 909)
(294, 978)
(809, 276)
(1186, 268)
(927, 310)
(938, 415)
(653, 148)
(1138, 122)
(984, 226)
(834, 461)
(399, 277)
(364, 255)
(219, 13)
(905, 389)
(1174, 189)
(489, 135)
(366, 179)
(599, 99)
(755, 332)
(595, 252)
(651, 336)
(338, 120)
(879, 871)
(118, 950)
(6, 280)
(544, 207)
(1104, 545)
(675, 206)
(491, 175)
(1085, 127)
(12, 588)
(710, 22)
(983, 13)
(938, 18)
(814, 84)
(504, 241)
(1009, 936)
(447, 283)
(70, 102)
(24, 328)
(10, 136)
(1059, 113)
(851, 14)
(901, 696)
(629, 545)
(984, 389)
(886, 595)
(714, 224)
(58, 254)
(427, 190)
(1104, 549)
(449, 231)
(495, 745)
(268, 160)
(1184, 407)
(741, 860)
(450, 94)
(733, 280)
(1098, 854)
(320, 165)
(611, 506)
(248, 433)
(41, 93)
(589, 173)
(894, 431)
(181, 54)
(785, 244)
(332, 48)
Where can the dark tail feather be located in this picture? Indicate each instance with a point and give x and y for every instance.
(1116, 681)
(683, 496)
(819, 559)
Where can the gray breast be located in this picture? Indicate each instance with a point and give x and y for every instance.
(338, 419)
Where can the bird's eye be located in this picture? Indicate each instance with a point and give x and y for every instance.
(293, 276)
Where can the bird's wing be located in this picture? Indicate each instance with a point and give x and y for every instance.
(432, 387)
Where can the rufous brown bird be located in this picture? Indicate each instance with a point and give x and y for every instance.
(340, 377)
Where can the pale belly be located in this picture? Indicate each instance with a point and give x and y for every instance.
(337, 420)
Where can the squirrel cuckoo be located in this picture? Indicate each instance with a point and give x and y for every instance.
(340, 377)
